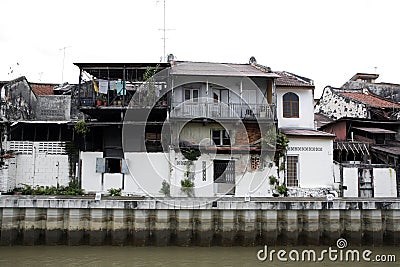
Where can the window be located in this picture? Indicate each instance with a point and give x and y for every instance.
(290, 105)
(191, 95)
(292, 170)
(221, 137)
(111, 165)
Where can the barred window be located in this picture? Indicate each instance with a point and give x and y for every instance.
(292, 171)
(290, 105)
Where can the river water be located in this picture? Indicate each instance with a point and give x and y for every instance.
(178, 256)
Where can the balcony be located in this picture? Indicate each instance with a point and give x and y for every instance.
(222, 110)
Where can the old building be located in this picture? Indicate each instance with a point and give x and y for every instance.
(295, 98)
(366, 156)
(337, 103)
(36, 130)
(388, 91)
(200, 123)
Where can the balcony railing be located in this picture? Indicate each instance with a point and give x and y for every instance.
(222, 110)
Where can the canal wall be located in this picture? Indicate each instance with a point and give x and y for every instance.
(27, 220)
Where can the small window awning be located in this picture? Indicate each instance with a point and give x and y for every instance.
(374, 130)
(355, 147)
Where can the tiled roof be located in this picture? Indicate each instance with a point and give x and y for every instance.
(370, 99)
(290, 79)
(42, 88)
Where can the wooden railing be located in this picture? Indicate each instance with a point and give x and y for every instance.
(222, 110)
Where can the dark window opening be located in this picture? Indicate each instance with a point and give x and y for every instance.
(113, 165)
(221, 137)
(191, 95)
(290, 105)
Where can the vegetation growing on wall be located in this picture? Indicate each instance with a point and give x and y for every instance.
(165, 189)
(187, 184)
(148, 77)
(81, 128)
(72, 190)
(114, 192)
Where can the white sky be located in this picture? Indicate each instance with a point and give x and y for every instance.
(327, 41)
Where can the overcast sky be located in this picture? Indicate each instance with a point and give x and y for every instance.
(327, 41)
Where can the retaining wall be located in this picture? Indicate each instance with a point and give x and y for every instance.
(197, 222)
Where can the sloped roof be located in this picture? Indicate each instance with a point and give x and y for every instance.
(292, 80)
(221, 69)
(306, 132)
(369, 99)
(42, 88)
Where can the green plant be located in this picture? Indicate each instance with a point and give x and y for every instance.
(101, 97)
(273, 180)
(148, 77)
(282, 189)
(191, 154)
(187, 187)
(81, 128)
(165, 188)
(72, 189)
(114, 192)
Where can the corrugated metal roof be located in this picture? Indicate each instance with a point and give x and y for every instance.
(220, 69)
(394, 150)
(306, 132)
(374, 130)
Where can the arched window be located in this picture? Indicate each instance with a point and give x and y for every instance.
(290, 105)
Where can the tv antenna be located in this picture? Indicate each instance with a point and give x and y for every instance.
(164, 29)
(62, 72)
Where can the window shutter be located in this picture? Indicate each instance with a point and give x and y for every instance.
(100, 165)
(124, 168)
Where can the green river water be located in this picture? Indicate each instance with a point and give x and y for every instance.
(182, 256)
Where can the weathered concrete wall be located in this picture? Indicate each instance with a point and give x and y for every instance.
(19, 100)
(335, 106)
(193, 222)
(384, 182)
(53, 107)
(35, 163)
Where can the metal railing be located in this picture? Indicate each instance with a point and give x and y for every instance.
(222, 110)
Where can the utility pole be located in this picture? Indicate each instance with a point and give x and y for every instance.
(62, 72)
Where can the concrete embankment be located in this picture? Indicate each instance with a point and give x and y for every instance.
(199, 222)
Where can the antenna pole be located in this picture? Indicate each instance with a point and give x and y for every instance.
(164, 32)
(62, 72)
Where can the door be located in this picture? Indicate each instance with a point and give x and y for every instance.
(365, 182)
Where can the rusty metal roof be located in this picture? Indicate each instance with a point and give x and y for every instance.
(374, 130)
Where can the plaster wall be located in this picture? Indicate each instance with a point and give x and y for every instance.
(315, 167)
(306, 109)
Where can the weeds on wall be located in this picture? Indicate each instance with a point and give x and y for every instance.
(165, 189)
(114, 192)
(71, 190)
(187, 184)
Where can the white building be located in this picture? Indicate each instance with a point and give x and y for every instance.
(309, 157)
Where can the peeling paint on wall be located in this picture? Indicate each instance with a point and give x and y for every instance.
(336, 106)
